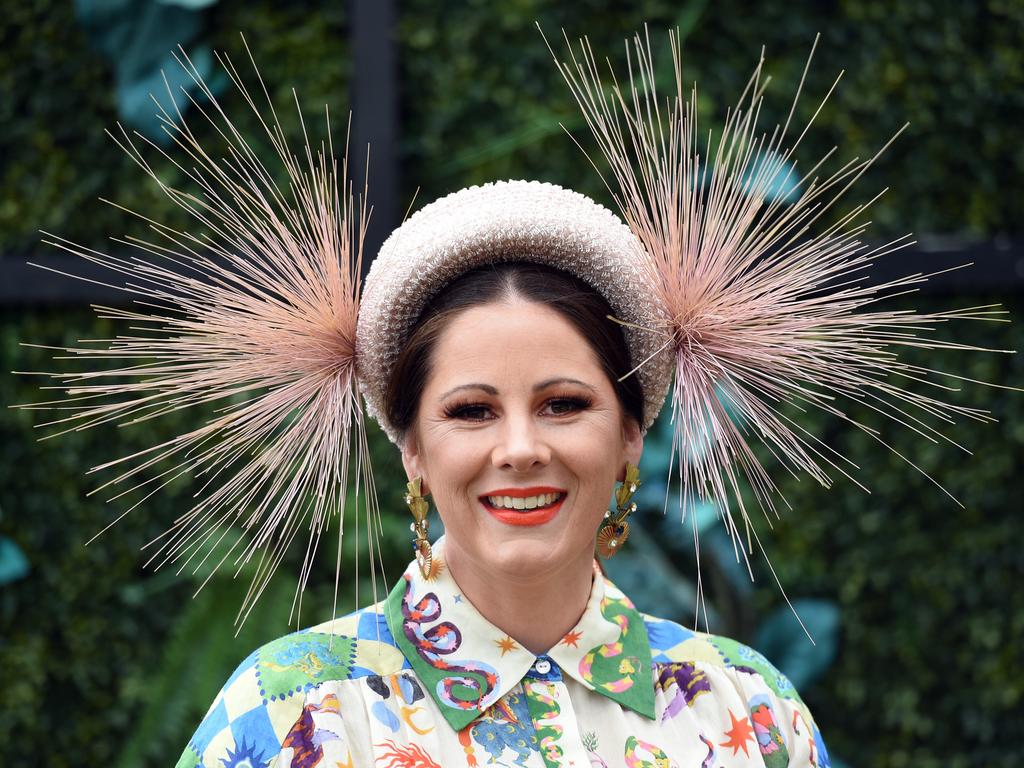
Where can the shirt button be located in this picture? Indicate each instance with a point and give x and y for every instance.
(542, 667)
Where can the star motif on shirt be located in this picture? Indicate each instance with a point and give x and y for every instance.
(572, 638)
(738, 734)
(506, 644)
(457, 598)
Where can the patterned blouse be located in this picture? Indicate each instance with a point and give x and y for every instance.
(422, 680)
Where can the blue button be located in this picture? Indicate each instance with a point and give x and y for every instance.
(543, 668)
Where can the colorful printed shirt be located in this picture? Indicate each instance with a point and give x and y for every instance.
(422, 680)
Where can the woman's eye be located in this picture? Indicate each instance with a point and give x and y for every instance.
(566, 405)
(471, 412)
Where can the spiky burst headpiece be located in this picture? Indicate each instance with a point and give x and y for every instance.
(258, 311)
(254, 312)
(768, 313)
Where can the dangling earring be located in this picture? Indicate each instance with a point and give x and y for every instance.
(615, 531)
(421, 546)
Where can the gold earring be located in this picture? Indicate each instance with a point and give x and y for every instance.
(421, 546)
(615, 531)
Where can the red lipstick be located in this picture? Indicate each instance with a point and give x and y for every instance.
(537, 516)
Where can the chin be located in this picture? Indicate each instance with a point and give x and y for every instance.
(519, 554)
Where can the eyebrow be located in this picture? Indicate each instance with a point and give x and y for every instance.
(490, 390)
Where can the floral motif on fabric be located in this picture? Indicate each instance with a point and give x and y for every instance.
(768, 734)
(590, 742)
(684, 683)
(466, 685)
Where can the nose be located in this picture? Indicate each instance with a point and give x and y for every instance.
(521, 445)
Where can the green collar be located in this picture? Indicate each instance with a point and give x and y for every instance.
(467, 664)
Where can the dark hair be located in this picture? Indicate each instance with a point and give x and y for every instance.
(573, 299)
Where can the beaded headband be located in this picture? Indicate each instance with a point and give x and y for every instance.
(507, 221)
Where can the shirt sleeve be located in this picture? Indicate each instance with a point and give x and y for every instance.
(243, 726)
(783, 727)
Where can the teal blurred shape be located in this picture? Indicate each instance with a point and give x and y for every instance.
(728, 555)
(781, 639)
(140, 38)
(13, 563)
(783, 180)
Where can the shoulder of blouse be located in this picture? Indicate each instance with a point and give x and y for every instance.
(264, 696)
(672, 643)
(686, 658)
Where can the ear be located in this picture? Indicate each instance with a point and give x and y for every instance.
(632, 443)
(411, 460)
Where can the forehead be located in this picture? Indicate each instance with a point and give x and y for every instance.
(518, 337)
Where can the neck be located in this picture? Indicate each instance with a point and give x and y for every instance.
(535, 610)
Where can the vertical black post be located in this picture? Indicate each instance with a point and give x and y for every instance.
(374, 99)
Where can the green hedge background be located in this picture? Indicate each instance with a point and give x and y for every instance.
(103, 662)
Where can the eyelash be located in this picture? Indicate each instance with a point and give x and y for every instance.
(461, 410)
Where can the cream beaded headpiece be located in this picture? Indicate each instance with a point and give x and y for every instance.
(725, 290)
(507, 221)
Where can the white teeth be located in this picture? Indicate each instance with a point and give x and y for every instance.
(521, 502)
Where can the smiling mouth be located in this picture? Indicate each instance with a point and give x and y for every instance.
(537, 501)
(524, 506)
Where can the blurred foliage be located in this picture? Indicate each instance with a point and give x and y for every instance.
(141, 40)
(929, 670)
(58, 94)
(482, 98)
(931, 664)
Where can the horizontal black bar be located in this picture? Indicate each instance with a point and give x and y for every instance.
(22, 283)
(998, 267)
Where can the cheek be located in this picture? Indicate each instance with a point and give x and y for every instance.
(596, 443)
(452, 461)
(594, 456)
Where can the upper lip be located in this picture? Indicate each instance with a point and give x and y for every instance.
(522, 493)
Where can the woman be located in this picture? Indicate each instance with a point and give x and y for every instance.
(491, 360)
(482, 344)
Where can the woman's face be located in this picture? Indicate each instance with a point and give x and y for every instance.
(519, 439)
